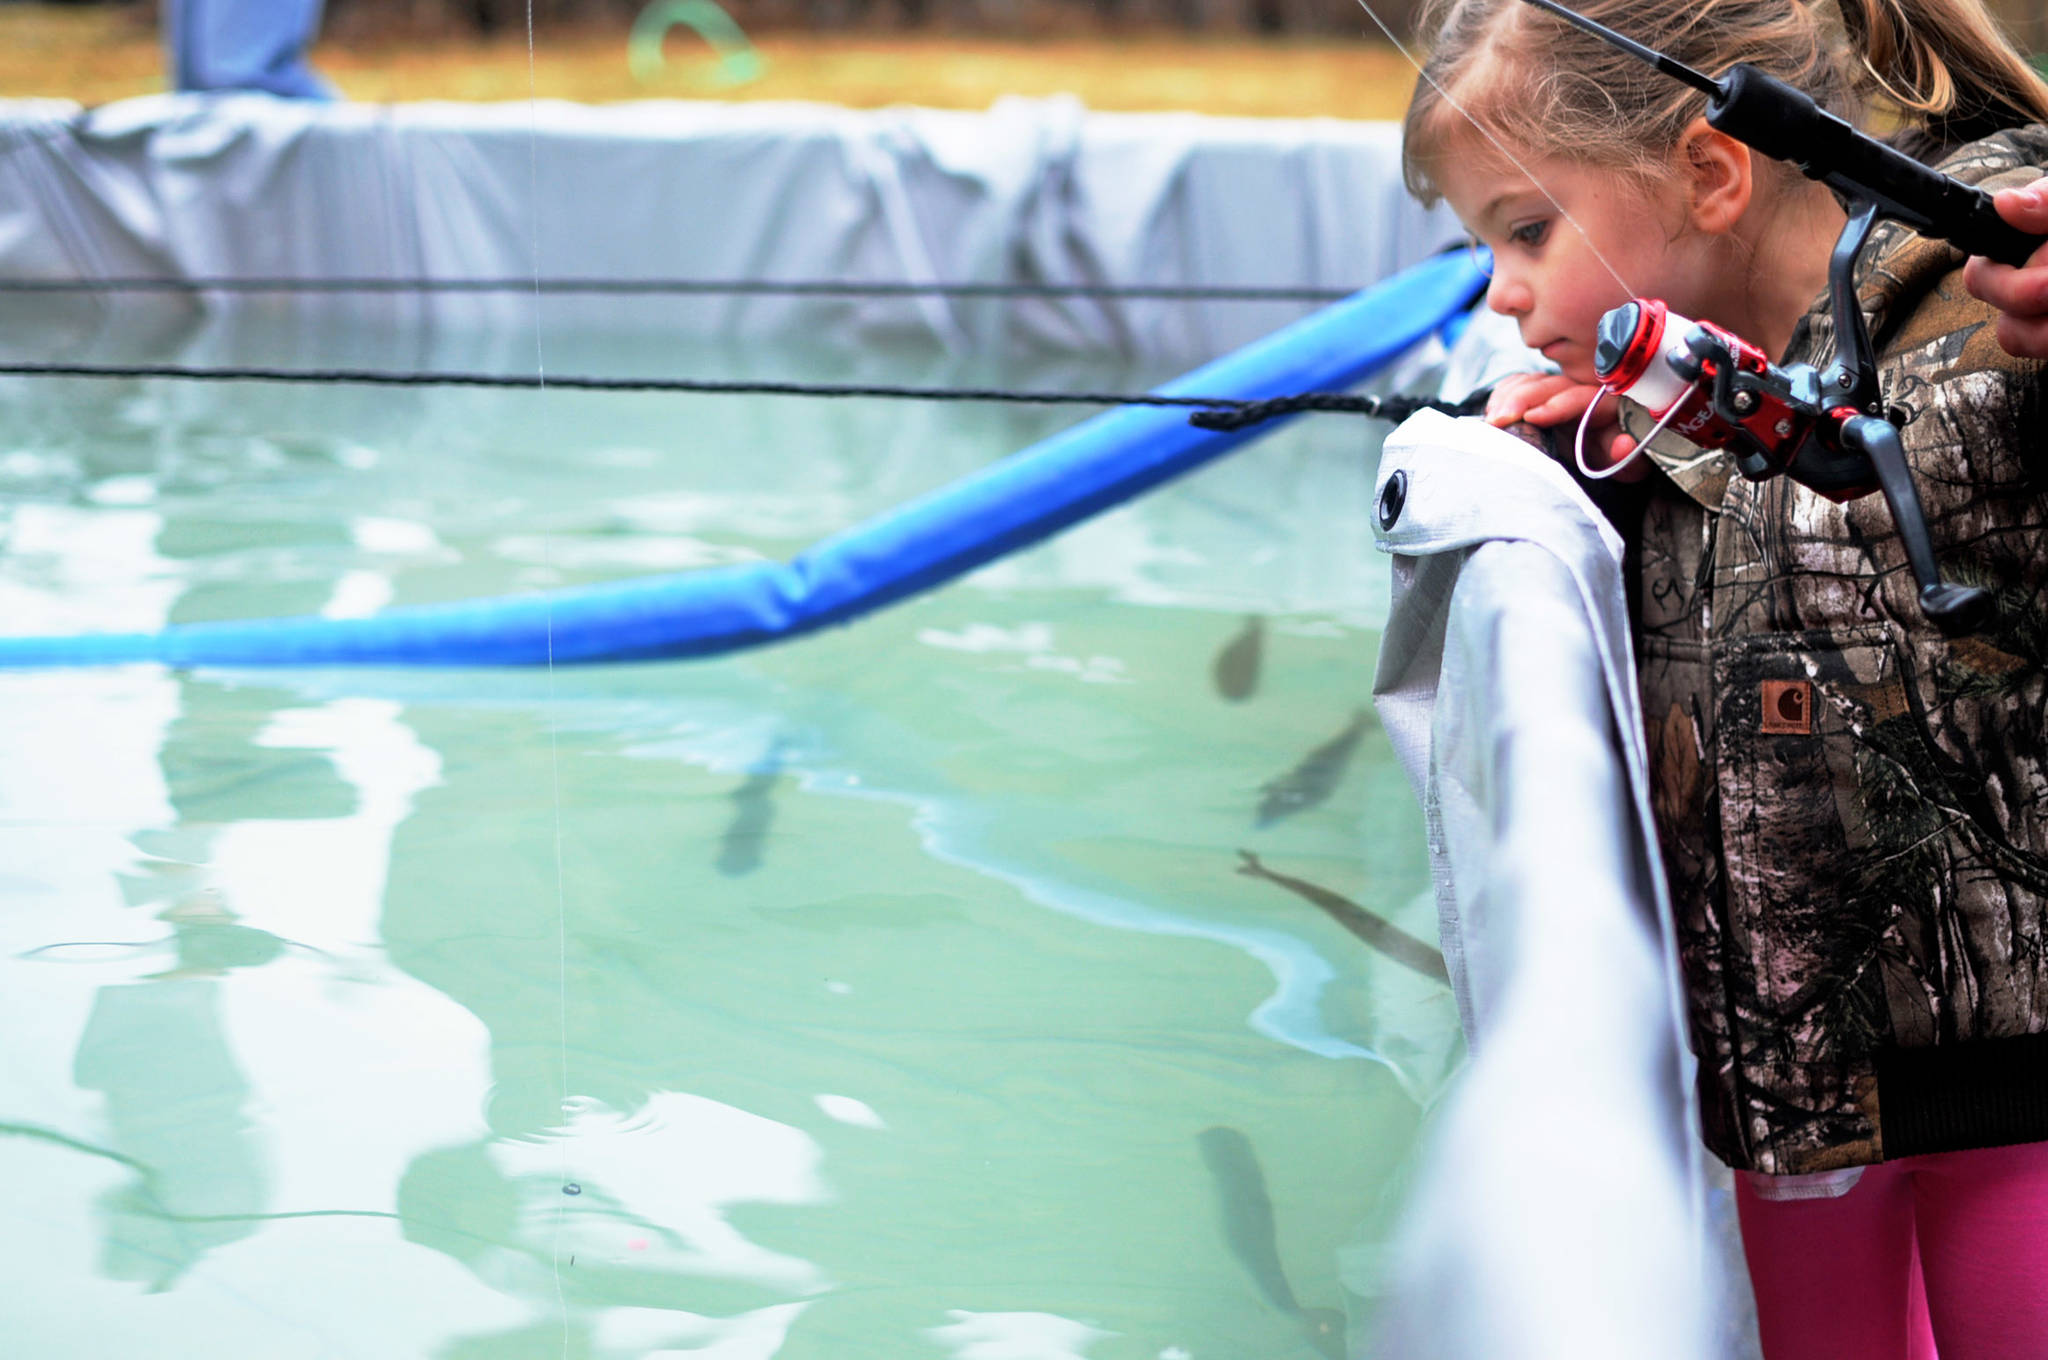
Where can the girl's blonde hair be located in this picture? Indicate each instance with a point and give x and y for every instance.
(1939, 69)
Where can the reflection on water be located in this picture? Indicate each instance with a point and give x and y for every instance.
(175, 1102)
(869, 996)
(642, 1227)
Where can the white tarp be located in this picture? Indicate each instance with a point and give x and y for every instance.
(1032, 191)
(1562, 1209)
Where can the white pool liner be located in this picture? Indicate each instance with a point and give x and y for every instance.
(1031, 191)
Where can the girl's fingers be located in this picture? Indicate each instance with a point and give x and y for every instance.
(1540, 398)
(1528, 403)
(1569, 404)
(1515, 394)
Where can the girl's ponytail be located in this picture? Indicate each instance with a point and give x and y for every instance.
(1944, 66)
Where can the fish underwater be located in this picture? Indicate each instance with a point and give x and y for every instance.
(1236, 668)
(1317, 775)
(1247, 1212)
(1382, 934)
(753, 804)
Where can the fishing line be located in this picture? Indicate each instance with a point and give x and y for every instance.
(1496, 143)
(568, 1185)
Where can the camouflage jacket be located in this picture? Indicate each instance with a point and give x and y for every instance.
(1853, 809)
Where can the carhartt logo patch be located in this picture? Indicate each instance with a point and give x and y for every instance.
(1788, 707)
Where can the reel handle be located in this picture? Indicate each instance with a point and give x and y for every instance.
(1955, 610)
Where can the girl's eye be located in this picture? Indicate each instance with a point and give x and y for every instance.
(1530, 234)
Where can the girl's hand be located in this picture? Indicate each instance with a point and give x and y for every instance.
(1547, 400)
(2021, 293)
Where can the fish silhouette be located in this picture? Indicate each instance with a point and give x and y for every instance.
(1247, 1212)
(753, 812)
(1316, 777)
(1382, 934)
(1236, 668)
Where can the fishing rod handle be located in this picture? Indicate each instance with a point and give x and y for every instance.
(1784, 123)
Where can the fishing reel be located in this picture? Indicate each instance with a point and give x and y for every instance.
(1823, 428)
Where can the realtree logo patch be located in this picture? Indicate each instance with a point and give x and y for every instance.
(1788, 707)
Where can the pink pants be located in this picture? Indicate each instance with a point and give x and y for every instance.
(1944, 1254)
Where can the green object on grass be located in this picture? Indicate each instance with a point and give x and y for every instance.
(739, 62)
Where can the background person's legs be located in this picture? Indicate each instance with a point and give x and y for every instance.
(244, 45)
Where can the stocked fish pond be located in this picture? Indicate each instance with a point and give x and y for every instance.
(1041, 967)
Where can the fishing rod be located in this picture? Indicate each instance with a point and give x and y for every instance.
(1827, 429)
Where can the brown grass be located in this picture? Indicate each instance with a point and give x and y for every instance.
(95, 56)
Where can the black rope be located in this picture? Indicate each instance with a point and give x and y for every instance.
(707, 287)
(535, 381)
(1210, 413)
(1394, 408)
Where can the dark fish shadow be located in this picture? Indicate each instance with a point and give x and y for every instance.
(1247, 1213)
(1376, 930)
(1317, 775)
(1235, 671)
(753, 812)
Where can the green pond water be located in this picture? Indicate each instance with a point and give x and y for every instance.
(890, 993)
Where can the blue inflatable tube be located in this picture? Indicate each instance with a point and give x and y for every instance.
(1019, 501)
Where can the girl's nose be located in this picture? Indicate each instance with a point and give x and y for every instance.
(1507, 294)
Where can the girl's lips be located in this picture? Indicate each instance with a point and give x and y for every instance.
(1571, 360)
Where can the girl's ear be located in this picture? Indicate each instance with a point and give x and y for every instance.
(1719, 172)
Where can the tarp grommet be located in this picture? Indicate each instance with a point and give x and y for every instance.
(1393, 496)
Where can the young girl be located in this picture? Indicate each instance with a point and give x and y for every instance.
(1853, 808)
